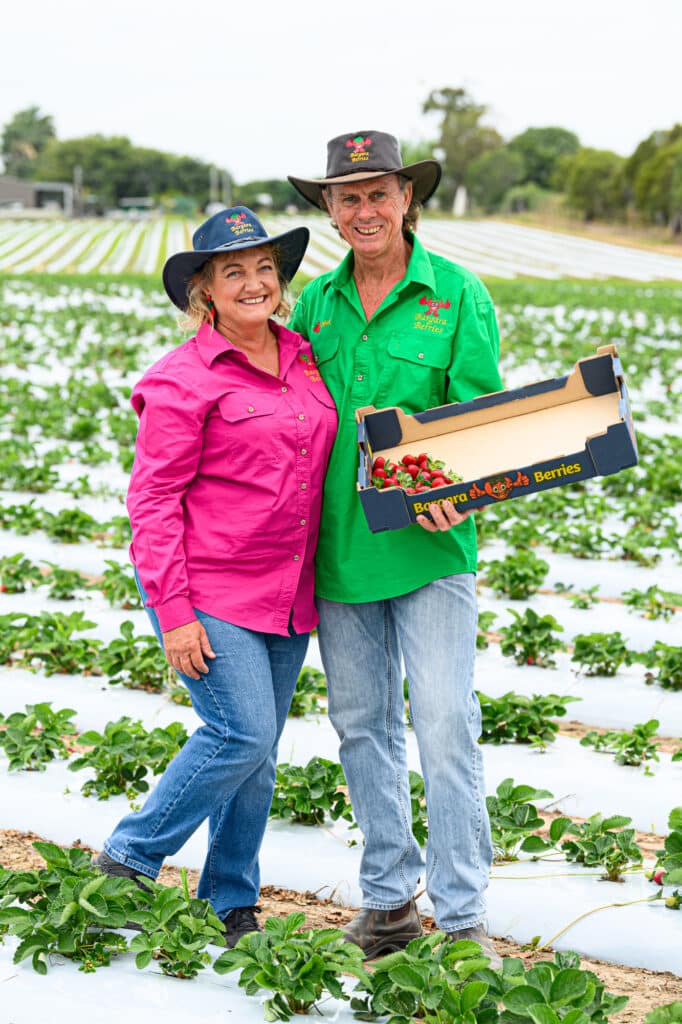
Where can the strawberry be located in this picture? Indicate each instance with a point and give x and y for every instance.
(437, 481)
(658, 876)
(409, 460)
(413, 470)
(379, 462)
(381, 473)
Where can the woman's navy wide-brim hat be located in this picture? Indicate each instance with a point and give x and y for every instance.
(358, 156)
(228, 231)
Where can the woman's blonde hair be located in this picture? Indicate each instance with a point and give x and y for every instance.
(199, 311)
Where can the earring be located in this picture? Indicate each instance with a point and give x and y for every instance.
(211, 307)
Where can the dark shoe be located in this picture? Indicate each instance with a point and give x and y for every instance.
(240, 921)
(108, 866)
(478, 934)
(384, 931)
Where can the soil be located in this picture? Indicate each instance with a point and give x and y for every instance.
(645, 989)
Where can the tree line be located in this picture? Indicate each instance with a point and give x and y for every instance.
(514, 175)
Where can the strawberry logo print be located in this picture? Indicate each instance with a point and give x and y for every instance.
(358, 147)
(499, 487)
(310, 368)
(235, 218)
(434, 306)
(316, 328)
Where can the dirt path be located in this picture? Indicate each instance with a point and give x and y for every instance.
(646, 989)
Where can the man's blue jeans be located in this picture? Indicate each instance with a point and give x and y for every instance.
(226, 770)
(435, 629)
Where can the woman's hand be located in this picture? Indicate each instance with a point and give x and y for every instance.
(445, 516)
(186, 647)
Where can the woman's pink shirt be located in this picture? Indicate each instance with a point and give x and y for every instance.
(226, 488)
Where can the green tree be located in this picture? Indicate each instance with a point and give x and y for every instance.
(490, 175)
(24, 138)
(540, 149)
(281, 195)
(658, 186)
(594, 183)
(461, 138)
(113, 168)
(648, 148)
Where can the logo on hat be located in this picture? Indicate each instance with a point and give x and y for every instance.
(235, 218)
(358, 145)
(240, 224)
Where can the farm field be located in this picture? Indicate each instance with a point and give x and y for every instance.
(488, 247)
(580, 596)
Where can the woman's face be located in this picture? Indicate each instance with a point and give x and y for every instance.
(245, 288)
(369, 214)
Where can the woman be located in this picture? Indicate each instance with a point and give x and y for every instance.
(395, 325)
(236, 427)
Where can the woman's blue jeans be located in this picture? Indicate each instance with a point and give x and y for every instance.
(226, 770)
(434, 628)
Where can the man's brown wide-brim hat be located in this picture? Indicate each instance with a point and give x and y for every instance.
(362, 155)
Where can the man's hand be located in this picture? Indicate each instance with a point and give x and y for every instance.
(445, 516)
(186, 647)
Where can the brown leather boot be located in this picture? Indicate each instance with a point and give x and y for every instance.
(478, 934)
(384, 931)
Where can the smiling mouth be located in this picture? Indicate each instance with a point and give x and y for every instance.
(254, 302)
(369, 231)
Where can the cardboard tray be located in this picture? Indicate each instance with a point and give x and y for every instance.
(505, 444)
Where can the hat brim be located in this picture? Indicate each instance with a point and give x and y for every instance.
(181, 267)
(424, 175)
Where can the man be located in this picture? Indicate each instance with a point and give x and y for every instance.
(396, 325)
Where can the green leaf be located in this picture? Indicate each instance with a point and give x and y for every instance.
(472, 994)
(542, 1014)
(407, 978)
(567, 986)
(144, 958)
(522, 997)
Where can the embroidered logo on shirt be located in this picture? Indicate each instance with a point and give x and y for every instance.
(320, 324)
(311, 371)
(430, 319)
(358, 145)
(434, 305)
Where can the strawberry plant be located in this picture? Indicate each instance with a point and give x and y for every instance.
(583, 599)
(485, 623)
(517, 576)
(598, 845)
(117, 530)
(652, 602)
(305, 793)
(666, 663)
(298, 967)
(669, 859)
(549, 993)
(46, 641)
(137, 662)
(513, 817)
(428, 980)
(62, 584)
(23, 519)
(310, 686)
(420, 825)
(70, 910)
(119, 587)
(175, 930)
(124, 754)
(16, 573)
(515, 718)
(600, 654)
(670, 1013)
(531, 639)
(629, 748)
(69, 525)
(33, 737)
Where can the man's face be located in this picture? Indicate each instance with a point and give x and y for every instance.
(369, 214)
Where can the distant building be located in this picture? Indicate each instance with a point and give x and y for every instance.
(16, 193)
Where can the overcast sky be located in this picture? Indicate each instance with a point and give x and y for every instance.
(258, 86)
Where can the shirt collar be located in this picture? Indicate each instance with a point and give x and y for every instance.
(211, 343)
(419, 269)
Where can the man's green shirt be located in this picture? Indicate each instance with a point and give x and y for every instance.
(433, 340)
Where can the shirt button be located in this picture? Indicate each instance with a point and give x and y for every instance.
(301, 416)
(303, 522)
(284, 389)
(420, 355)
(296, 558)
(364, 337)
(304, 451)
(360, 377)
(303, 486)
(251, 409)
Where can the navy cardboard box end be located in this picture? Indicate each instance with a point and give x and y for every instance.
(506, 444)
